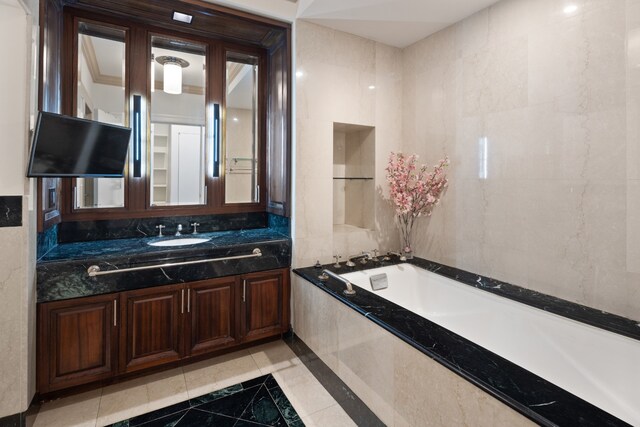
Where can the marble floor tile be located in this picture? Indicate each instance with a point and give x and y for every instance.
(166, 388)
(122, 401)
(74, 411)
(306, 394)
(274, 356)
(277, 384)
(333, 416)
(220, 372)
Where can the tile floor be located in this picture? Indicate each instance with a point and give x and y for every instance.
(139, 396)
(254, 403)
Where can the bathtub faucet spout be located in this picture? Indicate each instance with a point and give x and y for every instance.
(400, 256)
(363, 257)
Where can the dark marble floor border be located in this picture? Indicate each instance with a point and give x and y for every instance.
(347, 399)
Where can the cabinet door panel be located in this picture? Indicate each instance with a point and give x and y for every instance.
(78, 342)
(151, 325)
(212, 315)
(263, 307)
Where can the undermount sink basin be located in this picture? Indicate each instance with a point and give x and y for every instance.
(179, 242)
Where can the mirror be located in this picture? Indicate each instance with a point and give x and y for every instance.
(178, 83)
(101, 97)
(241, 129)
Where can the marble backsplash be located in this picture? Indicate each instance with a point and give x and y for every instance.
(146, 227)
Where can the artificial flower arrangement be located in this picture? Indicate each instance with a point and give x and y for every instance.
(414, 191)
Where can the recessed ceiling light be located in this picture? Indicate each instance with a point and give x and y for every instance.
(182, 17)
(299, 73)
(570, 9)
(372, 87)
(235, 119)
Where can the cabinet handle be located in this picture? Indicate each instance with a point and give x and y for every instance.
(244, 290)
(188, 300)
(115, 312)
(182, 303)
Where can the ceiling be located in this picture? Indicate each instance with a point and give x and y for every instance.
(397, 23)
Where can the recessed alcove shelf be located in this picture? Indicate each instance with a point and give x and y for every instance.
(353, 177)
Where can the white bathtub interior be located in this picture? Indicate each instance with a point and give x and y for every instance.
(598, 366)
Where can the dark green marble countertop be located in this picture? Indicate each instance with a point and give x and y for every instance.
(62, 272)
(105, 249)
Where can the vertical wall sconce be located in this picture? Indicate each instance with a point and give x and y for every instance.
(137, 136)
(216, 140)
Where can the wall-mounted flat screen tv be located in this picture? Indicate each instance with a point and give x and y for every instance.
(66, 146)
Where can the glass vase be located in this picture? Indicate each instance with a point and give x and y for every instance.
(406, 237)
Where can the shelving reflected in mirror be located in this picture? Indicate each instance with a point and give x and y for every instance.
(100, 96)
(178, 88)
(241, 136)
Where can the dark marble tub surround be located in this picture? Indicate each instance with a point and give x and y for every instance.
(82, 231)
(534, 397)
(10, 211)
(67, 278)
(257, 402)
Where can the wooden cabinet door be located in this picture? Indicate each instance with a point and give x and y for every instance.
(77, 343)
(264, 307)
(151, 327)
(279, 129)
(211, 316)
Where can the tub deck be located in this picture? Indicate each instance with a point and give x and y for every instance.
(530, 394)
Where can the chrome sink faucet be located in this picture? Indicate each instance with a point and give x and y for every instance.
(179, 230)
(195, 226)
(160, 227)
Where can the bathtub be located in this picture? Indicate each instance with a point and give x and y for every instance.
(600, 367)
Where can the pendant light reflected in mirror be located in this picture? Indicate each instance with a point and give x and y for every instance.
(172, 68)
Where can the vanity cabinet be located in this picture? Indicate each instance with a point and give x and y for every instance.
(150, 327)
(85, 340)
(211, 321)
(264, 296)
(77, 342)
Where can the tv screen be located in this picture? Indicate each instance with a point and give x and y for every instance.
(66, 146)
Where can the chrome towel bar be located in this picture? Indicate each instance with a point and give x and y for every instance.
(94, 270)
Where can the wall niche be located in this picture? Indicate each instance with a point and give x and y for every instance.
(353, 177)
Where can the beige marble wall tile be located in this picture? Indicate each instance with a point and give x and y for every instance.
(365, 362)
(555, 98)
(428, 394)
(315, 321)
(341, 79)
(12, 273)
